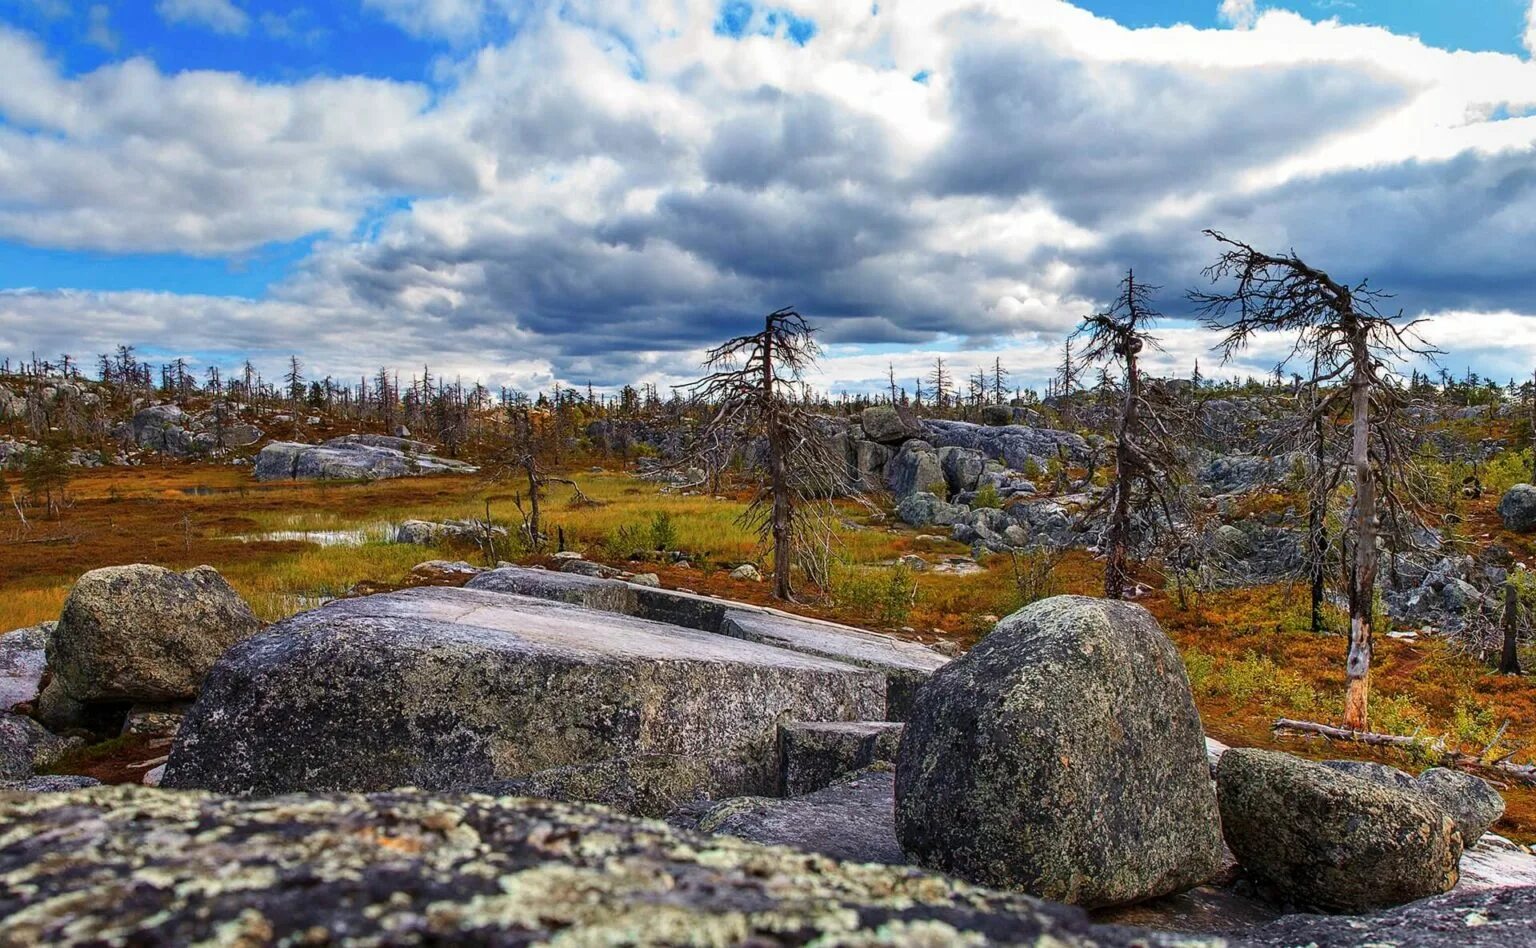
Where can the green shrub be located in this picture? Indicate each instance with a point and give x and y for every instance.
(938, 489)
(988, 497)
(663, 531)
(884, 594)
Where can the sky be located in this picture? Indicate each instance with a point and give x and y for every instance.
(595, 191)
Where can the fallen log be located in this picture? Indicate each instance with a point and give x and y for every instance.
(1524, 774)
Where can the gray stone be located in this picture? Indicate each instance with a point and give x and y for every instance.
(139, 633)
(589, 568)
(1062, 755)
(443, 688)
(352, 457)
(1471, 802)
(1016, 446)
(607, 595)
(904, 665)
(149, 867)
(418, 532)
(646, 579)
(962, 468)
(748, 573)
(23, 659)
(1500, 918)
(1517, 508)
(849, 820)
(869, 462)
(884, 424)
(51, 783)
(915, 468)
(815, 754)
(1320, 837)
(27, 747)
(641, 784)
(922, 509)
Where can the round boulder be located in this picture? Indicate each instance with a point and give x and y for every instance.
(1324, 838)
(1517, 508)
(140, 633)
(1063, 756)
(885, 424)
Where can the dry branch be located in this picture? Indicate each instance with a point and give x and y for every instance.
(1520, 773)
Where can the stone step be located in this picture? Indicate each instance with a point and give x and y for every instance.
(815, 754)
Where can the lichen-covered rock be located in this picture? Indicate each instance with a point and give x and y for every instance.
(1321, 837)
(26, 747)
(131, 865)
(443, 688)
(643, 784)
(608, 595)
(139, 633)
(885, 424)
(1517, 508)
(49, 783)
(922, 509)
(1063, 755)
(1470, 801)
(915, 468)
(23, 659)
(904, 666)
(815, 754)
(849, 820)
(1497, 918)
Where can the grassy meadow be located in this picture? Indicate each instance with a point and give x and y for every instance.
(288, 547)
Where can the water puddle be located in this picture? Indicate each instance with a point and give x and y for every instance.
(381, 532)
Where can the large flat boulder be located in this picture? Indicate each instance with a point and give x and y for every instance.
(1063, 755)
(135, 866)
(352, 457)
(904, 664)
(138, 633)
(445, 688)
(1321, 837)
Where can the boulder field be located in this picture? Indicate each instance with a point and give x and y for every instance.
(922, 799)
(352, 457)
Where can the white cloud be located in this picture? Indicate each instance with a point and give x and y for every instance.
(99, 30)
(220, 16)
(1530, 29)
(1239, 13)
(617, 186)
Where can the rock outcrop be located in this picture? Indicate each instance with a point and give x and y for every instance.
(816, 754)
(1517, 508)
(848, 820)
(154, 868)
(1062, 755)
(138, 634)
(352, 457)
(27, 747)
(450, 688)
(1470, 801)
(23, 659)
(1321, 837)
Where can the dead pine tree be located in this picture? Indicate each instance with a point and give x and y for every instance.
(1350, 343)
(1146, 463)
(753, 390)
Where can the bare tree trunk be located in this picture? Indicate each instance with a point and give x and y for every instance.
(1317, 527)
(531, 465)
(782, 515)
(1509, 661)
(1362, 593)
(1120, 516)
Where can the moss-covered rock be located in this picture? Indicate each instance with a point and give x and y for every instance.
(1324, 838)
(1063, 756)
(119, 865)
(815, 754)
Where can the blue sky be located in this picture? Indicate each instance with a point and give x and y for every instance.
(475, 179)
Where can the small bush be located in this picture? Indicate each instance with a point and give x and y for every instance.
(987, 497)
(1034, 574)
(886, 595)
(938, 489)
(663, 531)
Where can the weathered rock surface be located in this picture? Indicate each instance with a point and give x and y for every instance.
(1016, 446)
(1321, 837)
(51, 783)
(139, 633)
(915, 468)
(1062, 755)
(904, 664)
(23, 659)
(121, 865)
(1470, 801)
(849, 820)
(426, 532)
(26, 747)
(816, 754)
(922, 509)
(885, 424)
(352, 457)
(1501, 918)
(443, 688)
(1517, 508)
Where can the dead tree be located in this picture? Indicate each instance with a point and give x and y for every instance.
(1509, 657)
(1349, 342)
(1145, 456)
(753, 390)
